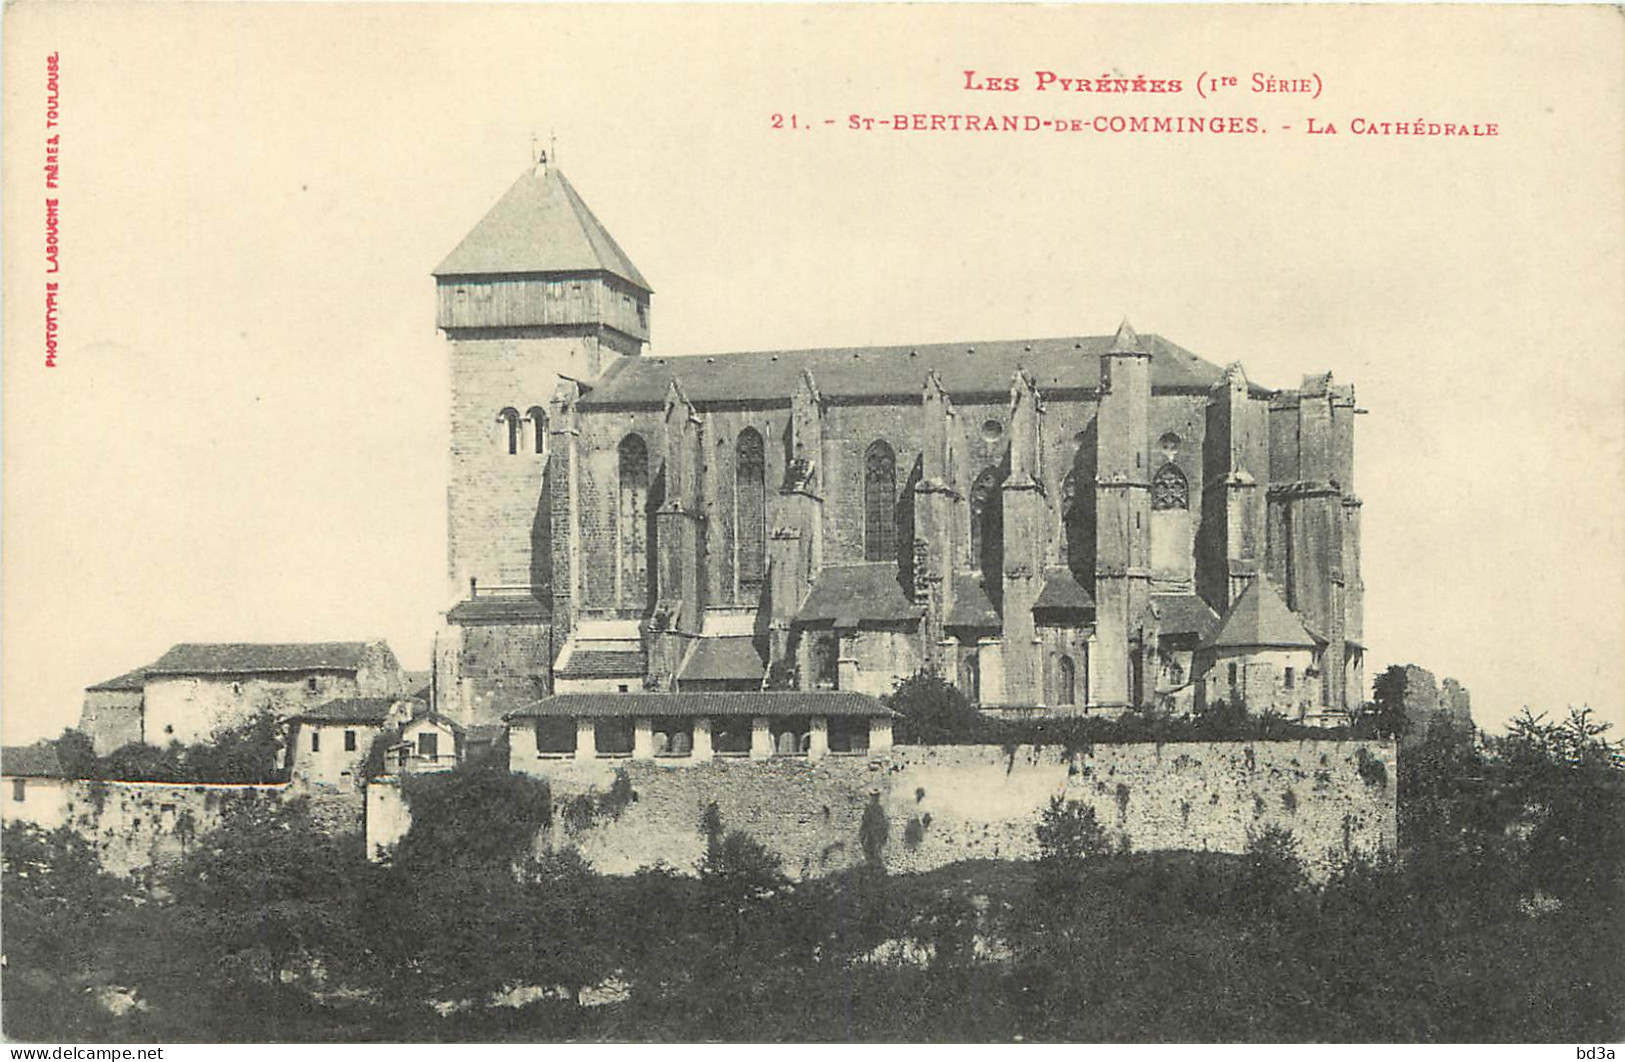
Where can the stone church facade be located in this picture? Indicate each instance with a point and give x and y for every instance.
(1068, 525)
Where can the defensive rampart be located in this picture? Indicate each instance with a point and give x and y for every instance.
(946, 803)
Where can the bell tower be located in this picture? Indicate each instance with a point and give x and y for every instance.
(536, 296)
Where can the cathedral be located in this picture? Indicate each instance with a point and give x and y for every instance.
(1083, 524)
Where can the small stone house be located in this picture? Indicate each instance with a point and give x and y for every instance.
(35, 789)
(330, 742)
(194, 689)
(428, 742)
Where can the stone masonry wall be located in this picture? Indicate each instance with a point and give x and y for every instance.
(137, 825)
(948, 803)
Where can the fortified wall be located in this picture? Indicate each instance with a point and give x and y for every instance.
(943, 804)
(135, 825)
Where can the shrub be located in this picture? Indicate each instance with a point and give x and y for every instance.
(1069, 833)
(933, 710)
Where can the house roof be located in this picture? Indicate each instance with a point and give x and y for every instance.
(771, 704)
(242, 658)
(1185, 614)
(1062, 592)
(135, 681)
(373, 710)
(497, 608)
(1259, 619)
(980, 367)
(435, 719)
(721, 660)
(849, 594)
(604, 663)
(30, 761)
(973, 606)
(540, 225)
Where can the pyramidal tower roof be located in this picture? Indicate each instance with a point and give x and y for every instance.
(540, 225)
(1127, 341)
(1258, 618)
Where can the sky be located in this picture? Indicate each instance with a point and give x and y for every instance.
(245, 435)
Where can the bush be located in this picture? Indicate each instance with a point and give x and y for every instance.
(933, 711)
(473, 816)
(1069, 833)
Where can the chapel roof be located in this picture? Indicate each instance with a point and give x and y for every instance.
(604, 663)
(981, 367)
(847, 594)
(1259, 619)
(1184, 614)
(1063, 592)
(540, 225)
(723, 660)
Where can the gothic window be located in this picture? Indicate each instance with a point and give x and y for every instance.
(1169, 489)
(750, 506)
(632, 528)
(880, 503)
(538, 421)
(1067, 681)
(825, 661)
(510, 418)
(986, 522)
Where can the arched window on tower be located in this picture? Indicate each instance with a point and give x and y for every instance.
(1170, 489)
(750, 508)
(987, 523)
(880, 503)
(510, 419)
(1066, 675)
(538, 423)
(632, 523)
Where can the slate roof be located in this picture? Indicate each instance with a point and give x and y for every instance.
(1062, 592)
(361, 710)
(1258, 618)
(723, 659)
(849, 594)
(604, 663)
(498, 608)
(981, 367)
(973, 607)
(540, 225)
(30, 761)
(243, 658)
(772, 704)
(131, 681)
(1185, 614)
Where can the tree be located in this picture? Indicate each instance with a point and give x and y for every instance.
(933, 710)
(1387, 714)
(475, 816)
(76, 753)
